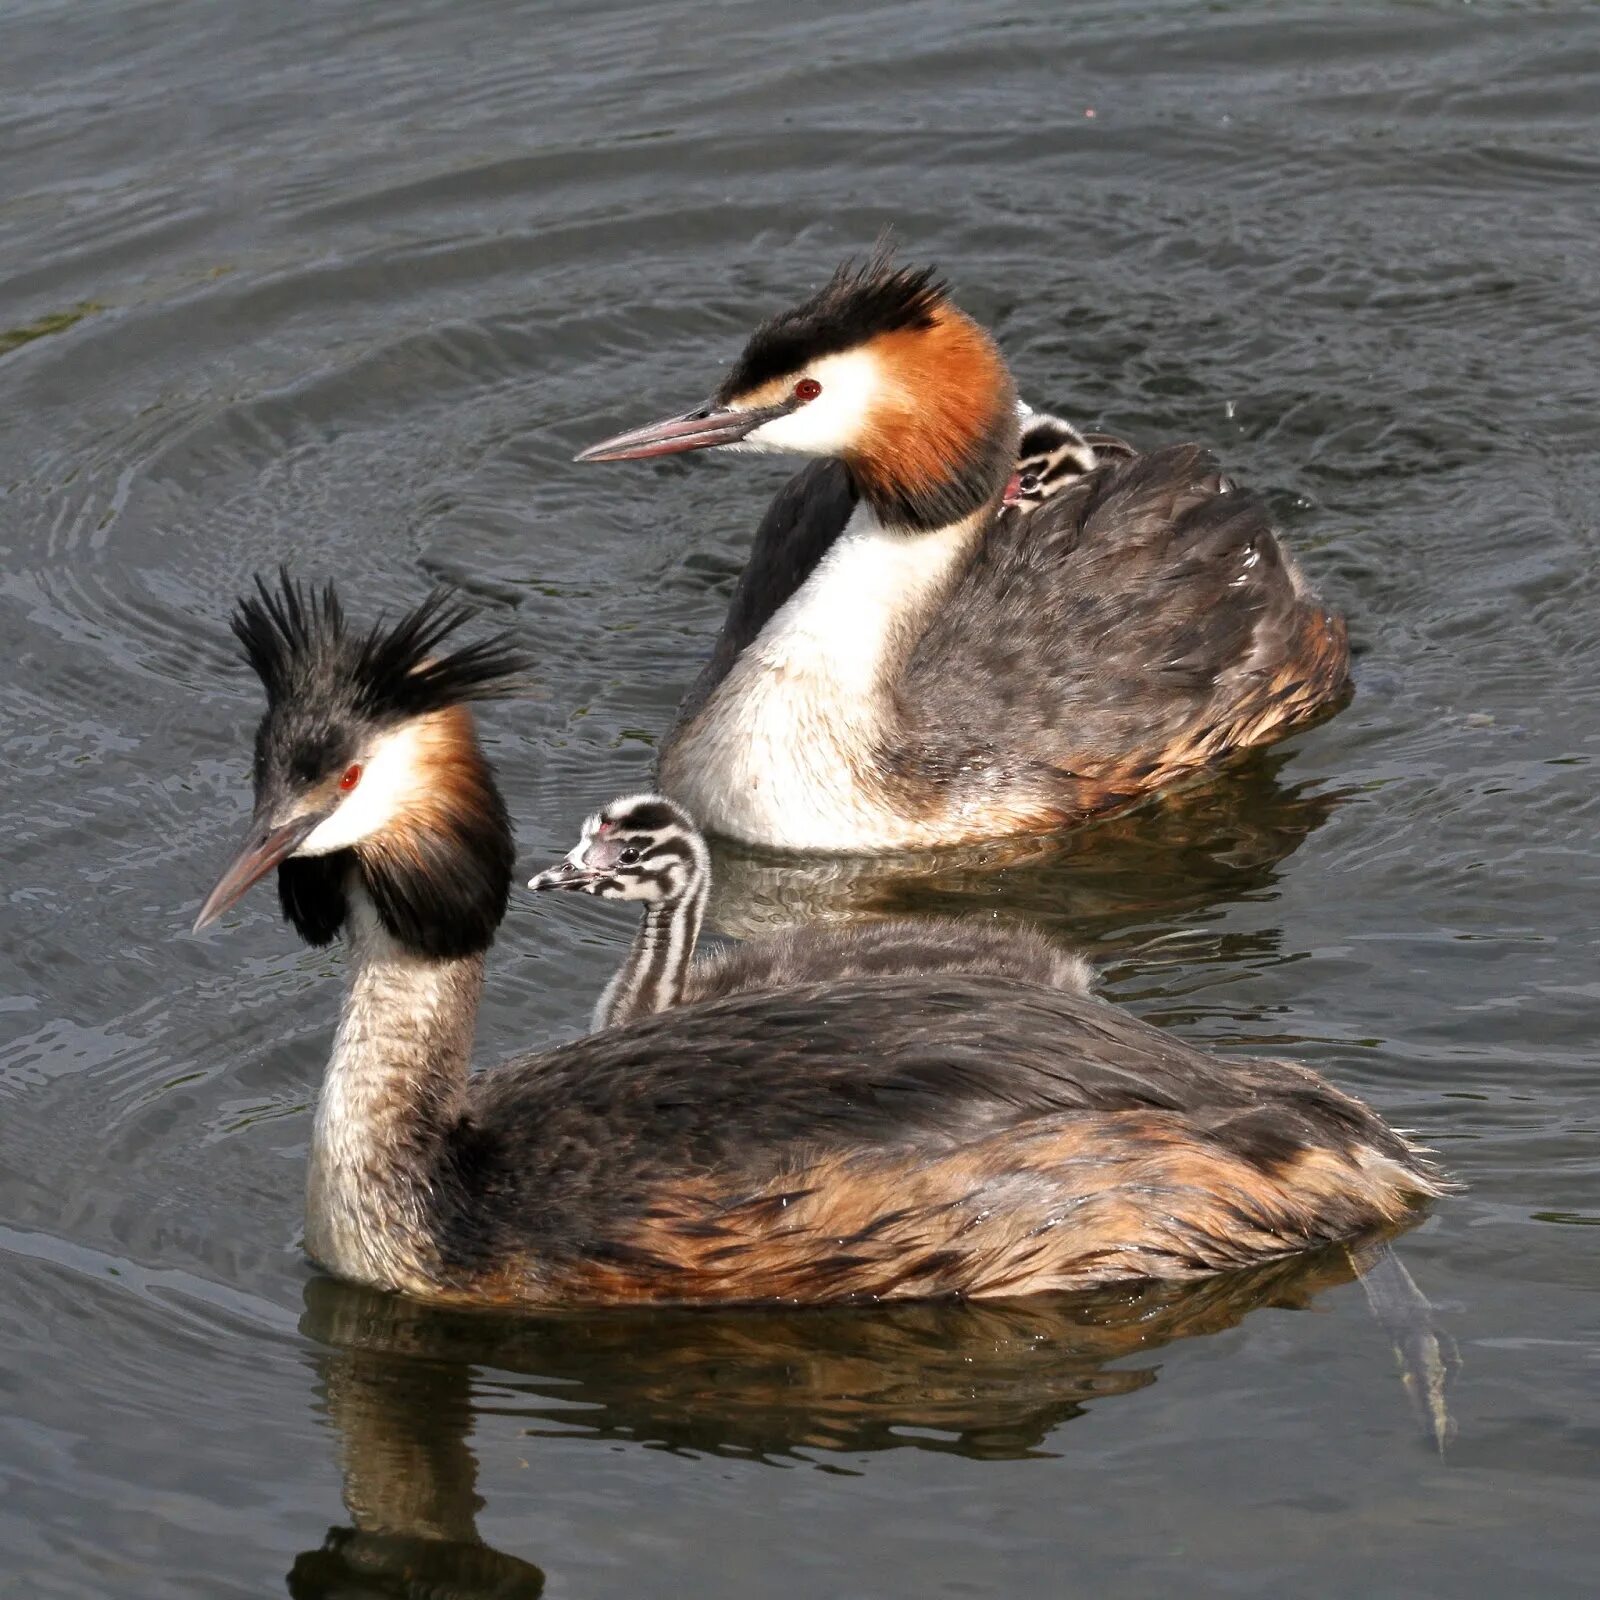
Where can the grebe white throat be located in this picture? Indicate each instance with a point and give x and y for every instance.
(784, 751)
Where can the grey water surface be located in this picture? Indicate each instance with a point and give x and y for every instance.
(346, 286)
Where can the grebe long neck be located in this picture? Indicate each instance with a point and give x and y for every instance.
(794, 741)
(392, 1093)
(787, 748)
(657, 967)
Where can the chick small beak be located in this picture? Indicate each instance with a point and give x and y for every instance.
(265, 846)
(701, 429)
(566, 874)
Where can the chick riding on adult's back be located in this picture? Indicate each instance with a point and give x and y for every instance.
(908, 662)
(646, 849)
(837, 1139)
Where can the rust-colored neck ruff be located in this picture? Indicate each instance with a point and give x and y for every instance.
(436, 867)
(941, 438)
(439, 876)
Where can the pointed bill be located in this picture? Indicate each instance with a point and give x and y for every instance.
(265, 846)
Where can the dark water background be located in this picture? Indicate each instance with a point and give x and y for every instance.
(346, 285)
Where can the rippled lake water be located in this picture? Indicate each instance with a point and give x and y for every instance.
(346, 286)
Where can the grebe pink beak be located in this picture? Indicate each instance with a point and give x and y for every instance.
(264, 848)
(701, 429)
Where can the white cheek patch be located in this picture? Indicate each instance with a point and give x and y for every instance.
(833, 422)
(392, 778)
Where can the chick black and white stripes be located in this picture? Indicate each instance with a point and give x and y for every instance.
(646, 848)
(653, 976)
(1052, 454)
(643, 848)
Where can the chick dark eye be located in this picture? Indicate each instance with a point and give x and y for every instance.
(628, 856)
(352, 776)
(807, 389)
(1028, 482)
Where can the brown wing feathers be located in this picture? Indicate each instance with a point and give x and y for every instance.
(897, 1137)
(1140, 625)
(1076, 1200)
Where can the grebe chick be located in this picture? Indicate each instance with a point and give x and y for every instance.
(845, 1140)
(1052, 455)
(902, 664)
(647, 849)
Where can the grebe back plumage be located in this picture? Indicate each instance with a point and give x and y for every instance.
(843, 1140)
(904, 664)
(647, 849)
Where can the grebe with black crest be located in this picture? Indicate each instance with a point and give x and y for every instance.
(904, 662)
(837, 1140)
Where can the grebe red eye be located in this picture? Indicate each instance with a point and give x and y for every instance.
(807, 389)
(352, 776)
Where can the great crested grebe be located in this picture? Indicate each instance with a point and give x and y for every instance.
(1052, 455)
(646, 849)
(842, 1140)
(904, 664)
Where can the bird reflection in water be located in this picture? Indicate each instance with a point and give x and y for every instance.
(410, 1477)
(989, 1380)
(1201, 848)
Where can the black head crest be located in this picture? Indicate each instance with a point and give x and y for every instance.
(438, 874)
(298, 642)
(860, 301)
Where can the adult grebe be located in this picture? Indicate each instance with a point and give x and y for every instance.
(905, 664)
(843, 1140)
(646, 849)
